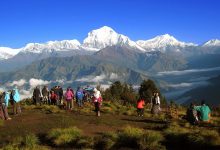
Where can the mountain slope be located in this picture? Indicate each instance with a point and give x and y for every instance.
(84, 69)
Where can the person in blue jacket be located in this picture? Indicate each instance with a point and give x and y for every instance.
(16, 104)
(3, 106)
(79, 97)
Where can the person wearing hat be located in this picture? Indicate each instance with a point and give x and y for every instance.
(97, 99)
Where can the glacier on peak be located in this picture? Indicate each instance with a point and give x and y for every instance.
(106, 36)
(162, 41)
(6, 52)
(51, 45)
(213, 42)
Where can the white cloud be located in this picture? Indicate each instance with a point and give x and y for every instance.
(183, 72)
(25, 93)
(36, 82)
(20, 82)
(113, 76)
(180, 85)
(92, 78)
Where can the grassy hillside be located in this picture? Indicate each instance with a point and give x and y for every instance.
(49, 127)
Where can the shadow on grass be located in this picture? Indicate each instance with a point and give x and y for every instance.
(152, 121)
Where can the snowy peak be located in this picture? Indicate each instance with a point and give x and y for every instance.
(106, 36)
(52, 45)
(6, 52)
(162, 41)
(213, 42)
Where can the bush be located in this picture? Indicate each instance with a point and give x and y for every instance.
(85, 142)
(30, 141)
(130, 137)
(151, 140)
(64, 136)
(106, 141)
(204, 138)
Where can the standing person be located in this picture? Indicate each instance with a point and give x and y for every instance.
(97, 99)
(16, 104)
(4, 100)
(45, 94)
(53, 98)
(60, 93)
(140, 107)
(56, 91)
(79, 96)
(73, 97)
(155, 102)
(204, 112)
(37, 96)
(69, 97)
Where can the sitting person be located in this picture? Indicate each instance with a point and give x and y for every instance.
(191, 114)
(204, 112)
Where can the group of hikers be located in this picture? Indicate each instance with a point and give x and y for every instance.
(7, 97)
(194, 114)
(155, 104)
(57, 96)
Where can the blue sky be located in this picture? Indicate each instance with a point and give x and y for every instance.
(25, 21)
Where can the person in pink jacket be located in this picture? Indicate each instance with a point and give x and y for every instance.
(69, 97)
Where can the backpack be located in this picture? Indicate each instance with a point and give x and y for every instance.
(154, 101)
(69, 95)
(79, 94)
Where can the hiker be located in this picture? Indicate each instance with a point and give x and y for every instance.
(53, 98)
(56, 91)
(204, 112)
(155, 103)
(37, 96)
(60, 94)
(45, 93)
(69, 97)
(16, 102)
(79, 97)
(192, 115)
(140, 107)
(97, 99)
(4, 100)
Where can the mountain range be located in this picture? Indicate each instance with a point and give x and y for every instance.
(106, 56)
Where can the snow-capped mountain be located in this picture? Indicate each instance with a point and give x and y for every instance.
(106, 36)
(162, 42)
(50, 46)
(213, 42)
(6, 52)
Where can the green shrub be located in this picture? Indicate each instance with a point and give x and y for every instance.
(151, 140)
(130, 137)
(106, 141)
(204, 138)
(85, 142)
(30, 141)
(64, 136)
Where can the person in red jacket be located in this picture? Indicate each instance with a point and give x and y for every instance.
(53, 98)
(140, 107)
